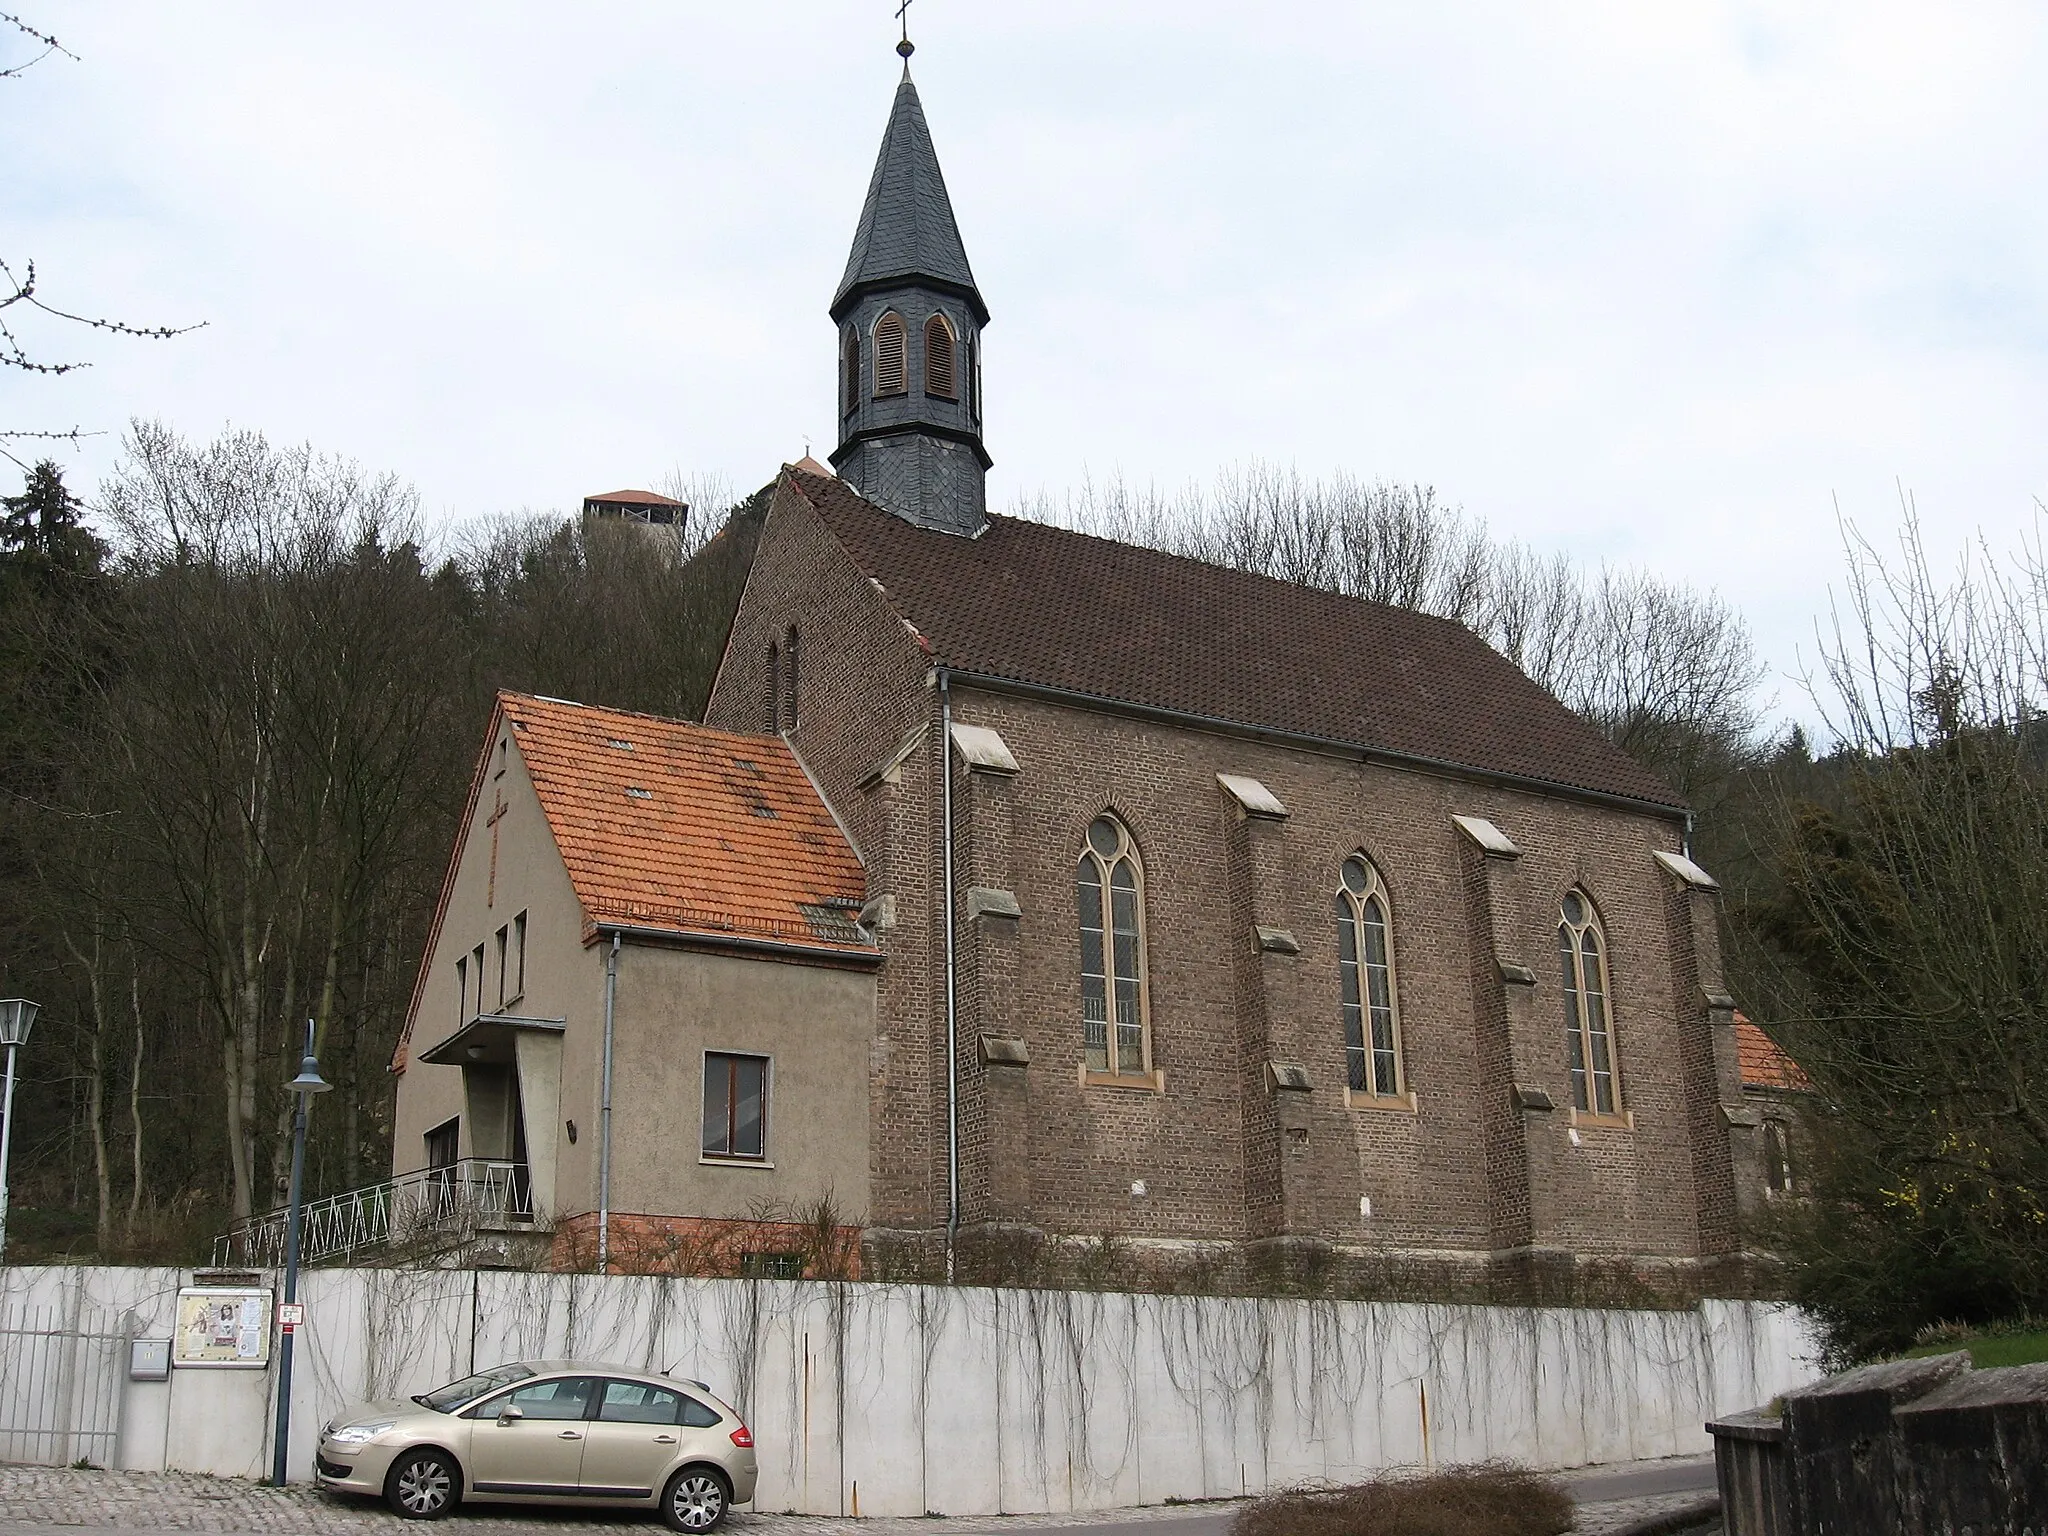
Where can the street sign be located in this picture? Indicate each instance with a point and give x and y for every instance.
(290, 1314)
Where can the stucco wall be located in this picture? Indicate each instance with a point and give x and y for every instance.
(564, 980)
(814, 1023)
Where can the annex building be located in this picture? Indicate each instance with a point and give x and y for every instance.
(1023, 888)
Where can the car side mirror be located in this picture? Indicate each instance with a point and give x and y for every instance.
(510, 1415)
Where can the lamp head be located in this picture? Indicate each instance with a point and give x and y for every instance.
(17, 1018)
(309, 1079)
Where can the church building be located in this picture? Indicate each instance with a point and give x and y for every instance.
(1151, 899)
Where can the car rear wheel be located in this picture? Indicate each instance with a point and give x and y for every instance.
(423, 1485)
(696, 1500)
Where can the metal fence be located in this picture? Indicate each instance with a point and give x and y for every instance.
(63, 1371)
(427, 1208)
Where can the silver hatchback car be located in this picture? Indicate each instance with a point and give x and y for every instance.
(551, 1432)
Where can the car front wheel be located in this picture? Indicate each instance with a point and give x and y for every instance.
(697, 1500)
(423, 1485)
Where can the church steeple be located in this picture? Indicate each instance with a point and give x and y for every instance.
(910, 322)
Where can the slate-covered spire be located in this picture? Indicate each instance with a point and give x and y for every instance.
(906, 226)
(910, 321)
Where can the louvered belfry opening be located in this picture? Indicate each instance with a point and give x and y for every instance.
(938, 359)
(890, 370)
(849, 370)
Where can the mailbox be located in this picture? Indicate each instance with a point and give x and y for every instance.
(149, 1360)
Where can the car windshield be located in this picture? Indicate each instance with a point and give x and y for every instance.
(458, 1394)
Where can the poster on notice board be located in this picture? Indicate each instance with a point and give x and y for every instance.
(223, 1326)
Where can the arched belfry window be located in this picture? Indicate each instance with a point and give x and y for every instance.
(1365, 974)
(849, 370)
(1110, 887)
(891, 372)
(940, 375)
(1589, 1029)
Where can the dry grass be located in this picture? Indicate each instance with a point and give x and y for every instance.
(1491, 1500)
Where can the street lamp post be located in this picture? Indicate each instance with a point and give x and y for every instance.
(17, 1018)
(303, 1087)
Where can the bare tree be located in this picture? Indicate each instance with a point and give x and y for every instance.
(1905, 961)
(20, 292)
(1668, 673)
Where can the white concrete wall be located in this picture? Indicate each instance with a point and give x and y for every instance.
(973, 1401)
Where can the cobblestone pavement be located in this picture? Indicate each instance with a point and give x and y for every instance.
(128, 1502)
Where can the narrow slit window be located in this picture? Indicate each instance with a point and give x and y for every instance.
(504, 955)
(476, 966)
(940, 375)
(735, 1106)
(772, 702)
(462, 989)
(891, 371)
(1366, 989)
(1109, 892)
(1589, 1031)
(789, 693)
(849, 370)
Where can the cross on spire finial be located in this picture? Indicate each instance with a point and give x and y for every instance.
(906, 47)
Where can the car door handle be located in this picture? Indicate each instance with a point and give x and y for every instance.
(570, 1434)
(664, 1439)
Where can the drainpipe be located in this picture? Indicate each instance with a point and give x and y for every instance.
(604, 1114)
(1686, 846)
(952, 1001)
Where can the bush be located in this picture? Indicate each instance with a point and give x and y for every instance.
(1490, 1500)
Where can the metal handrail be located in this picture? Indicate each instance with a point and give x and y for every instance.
(448, 1203)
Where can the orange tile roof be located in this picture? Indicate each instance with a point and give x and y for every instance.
(667, 825)
(638, 499)
(1764, 1062)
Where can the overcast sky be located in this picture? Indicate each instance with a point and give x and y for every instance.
(1657, 284)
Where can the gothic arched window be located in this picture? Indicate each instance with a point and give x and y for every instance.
(890, 370)
(1365, 973)
(1589, 1031)
(1777, 1159)
(939, 372)
(849, 370)
(1110, 887)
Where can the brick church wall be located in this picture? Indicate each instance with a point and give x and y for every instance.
(1468, 1171)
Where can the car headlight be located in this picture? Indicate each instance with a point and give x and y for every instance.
(358, 1434)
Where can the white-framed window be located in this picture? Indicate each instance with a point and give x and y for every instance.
(1109, 885)
(1369, 1000)
(1588, 1015)
(735, 1106)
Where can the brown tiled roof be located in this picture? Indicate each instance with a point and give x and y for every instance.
(1764, 1062)
(1034, 604)
(637, 499)
(673, 826)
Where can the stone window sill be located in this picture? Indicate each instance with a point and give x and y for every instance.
(1130, 1082)
(708, 1161)
(1583, 1119)
(1398, 1103)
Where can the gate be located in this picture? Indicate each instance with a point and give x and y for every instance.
(63, 1371)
